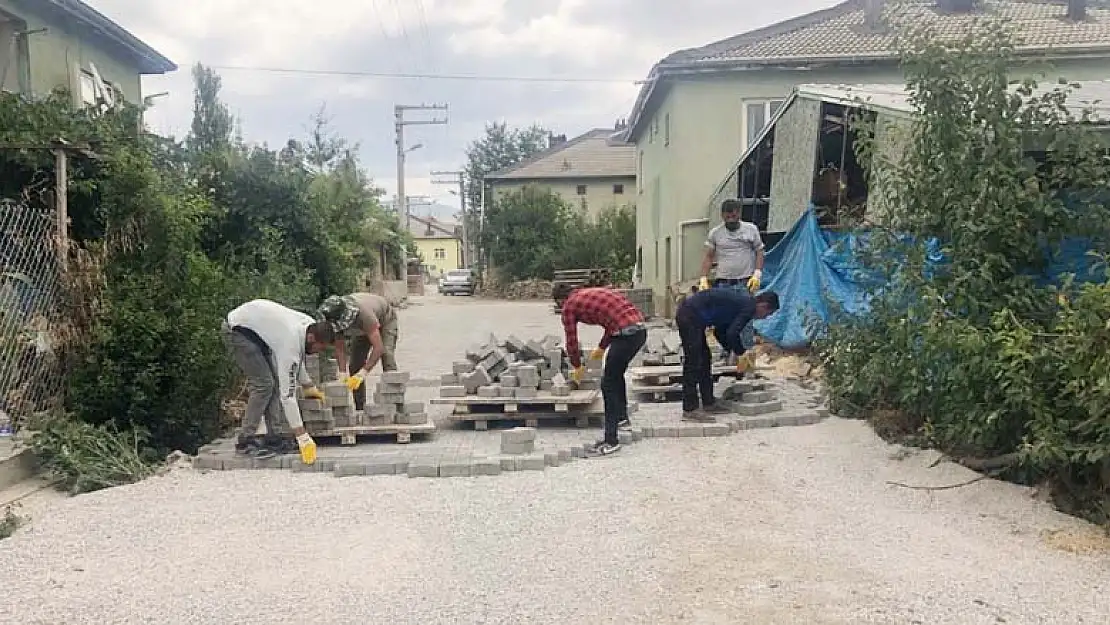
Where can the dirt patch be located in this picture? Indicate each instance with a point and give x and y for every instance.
(1083, 541)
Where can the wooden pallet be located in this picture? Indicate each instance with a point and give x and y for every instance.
(481, 410)
(659, 375)
(349, 435)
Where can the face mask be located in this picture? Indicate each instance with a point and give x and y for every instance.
(732, 225)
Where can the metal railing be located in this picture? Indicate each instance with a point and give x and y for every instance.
(30, 380)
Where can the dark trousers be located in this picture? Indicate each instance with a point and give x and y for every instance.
(613, 392)
(697, 375)
(360, 351)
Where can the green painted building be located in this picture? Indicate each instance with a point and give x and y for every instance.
(46, 44)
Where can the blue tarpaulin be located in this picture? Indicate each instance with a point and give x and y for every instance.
(811, 268)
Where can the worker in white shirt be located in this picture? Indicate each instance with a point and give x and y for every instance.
(269, 343)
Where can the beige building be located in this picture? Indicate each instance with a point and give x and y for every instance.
(701, 109)
(591, 172)
(47, 44)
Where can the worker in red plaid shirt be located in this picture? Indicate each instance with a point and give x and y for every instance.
(625, 334)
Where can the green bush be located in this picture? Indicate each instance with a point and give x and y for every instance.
(975, 356)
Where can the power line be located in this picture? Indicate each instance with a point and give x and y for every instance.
(410, 75)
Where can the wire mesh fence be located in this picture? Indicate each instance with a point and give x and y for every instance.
(30, 372)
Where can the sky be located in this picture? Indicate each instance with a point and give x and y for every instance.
(613, 41)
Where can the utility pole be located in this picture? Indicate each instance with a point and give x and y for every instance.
(457, 178)
(399, 124)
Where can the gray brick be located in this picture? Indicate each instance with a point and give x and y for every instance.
(268, 463)
(754, 410)
(578, 451)
(715, 429)
(395, 377)
(386, 387)
(517, 448)
(413, 407)
(389, 398)
(487, 466)
(456, 468)
(381, 466)
(452, 391)
(461, 367)
(531, 351)
(509, 381)
(508, 463)
(525, 393)
(560, 390)
(565, 455)
(551, 458)
(624, 437)
(423, 468)
(758, 397)
(237, 463)
(208, 461)
(666, 431)
(518, 435)
(648, 430)
(348, 469)
(532, 462)
(489, 392)
(449, 379)
(299, 467)
(823, 412)
(412, 418)
(691, 430)
(758, 423)
(637, 434)
(311, 405)
(546, 385)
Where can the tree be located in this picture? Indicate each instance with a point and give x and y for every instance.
(212, 121)
(526, 232)
(498, 148)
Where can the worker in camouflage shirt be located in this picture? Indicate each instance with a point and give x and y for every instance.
(370, 322)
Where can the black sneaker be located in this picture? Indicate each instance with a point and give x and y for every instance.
(624, 424)
(714, 409)
(601, 448)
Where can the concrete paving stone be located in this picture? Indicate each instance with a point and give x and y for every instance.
(452, 391)
(349, 469)
(311, 405)
(461, 367)
(715, 429)
(508, 392)
(413, 407)
(624, 437)
(508, 463)
(524, 392)
(565, 454)
(277, 462)
(208, 461)
(669, 430)
(449, 379)
(458, 467)
(383, 466)
(411, 418)
(691, 430)
(489, 392)
(758, 397)
(395, 377)
(509, 381)
(236, 463)
(551, 458)
(648, 430)
(637, 434)
(823, 412)
(423, 468)
(519, 435)
(486, 466)
(532, 462)
(392, 388)
(758, 423)
(578, 451)
(752, 410)
(526, 447)
(560, 390)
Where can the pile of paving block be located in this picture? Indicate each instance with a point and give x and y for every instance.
(516, 369)
(337, 409)
(667, 350)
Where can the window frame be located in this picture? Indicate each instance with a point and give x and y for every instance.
(770, 107)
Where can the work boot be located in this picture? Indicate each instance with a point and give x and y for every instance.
(697, 416)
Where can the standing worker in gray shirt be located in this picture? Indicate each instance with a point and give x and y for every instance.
(737, 249)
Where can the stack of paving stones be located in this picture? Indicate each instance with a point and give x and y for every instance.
(515, 369)
(666, 350)
(390, 406)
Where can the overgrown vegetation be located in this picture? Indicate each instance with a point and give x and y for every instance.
(167, 237)
(530, 232)
(974, 351)
(10, 522)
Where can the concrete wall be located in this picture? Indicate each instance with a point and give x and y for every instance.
(600, 192)
(452, 249)
(796, 136)
(55, 56)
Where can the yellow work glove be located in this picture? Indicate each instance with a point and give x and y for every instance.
(577, 373)
(745, 362)
(314, 393)
(597, 354)
(754, 281)
(307, 447)
(703, 284)
(355, 380)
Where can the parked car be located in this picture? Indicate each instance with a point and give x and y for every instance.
(457, 281)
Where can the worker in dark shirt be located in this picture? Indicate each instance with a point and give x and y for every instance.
(727, 311)
(624, 335)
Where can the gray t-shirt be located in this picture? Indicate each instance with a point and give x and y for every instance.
(735, 250)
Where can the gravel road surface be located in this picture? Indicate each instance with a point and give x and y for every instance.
(793, 525)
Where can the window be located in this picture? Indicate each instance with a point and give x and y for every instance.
(581, 189)
(439, 253)
(756, 115)
(667, 129)
(618, 189)
(89, 91)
